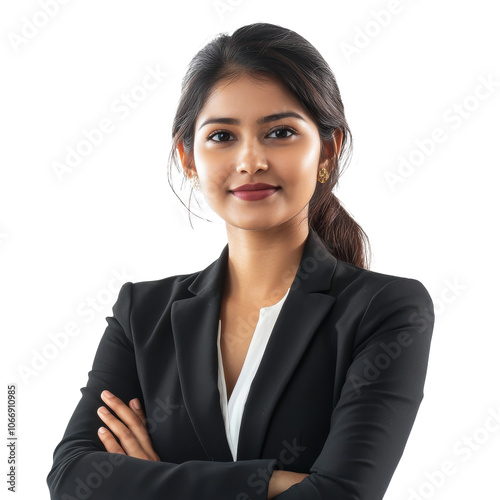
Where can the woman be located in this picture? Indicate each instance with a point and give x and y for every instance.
(286, 369)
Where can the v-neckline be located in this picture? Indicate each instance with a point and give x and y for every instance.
(249, 350)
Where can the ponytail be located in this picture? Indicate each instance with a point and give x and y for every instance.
(341, 234)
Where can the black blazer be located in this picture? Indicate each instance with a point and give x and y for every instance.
(335, 395)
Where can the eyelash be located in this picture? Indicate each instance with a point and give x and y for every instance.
(283, 127)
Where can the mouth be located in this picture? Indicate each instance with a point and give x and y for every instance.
(259, 186)
(255, 194)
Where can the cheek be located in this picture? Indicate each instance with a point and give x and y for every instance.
(310, 157)
(212, 169)
(310, 153)
(200, 156)
(299, 165)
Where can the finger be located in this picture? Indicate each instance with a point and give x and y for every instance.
(131, 421)
(128, 441)
(126, 415)
(137, 409)
(109, 441)
(135, 404)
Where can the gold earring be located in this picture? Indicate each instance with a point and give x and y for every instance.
(323, 175)
(195, 182)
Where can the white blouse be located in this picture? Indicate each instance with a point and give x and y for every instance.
(232, 411)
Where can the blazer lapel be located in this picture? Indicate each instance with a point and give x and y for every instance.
(195, 324)
(302, 312)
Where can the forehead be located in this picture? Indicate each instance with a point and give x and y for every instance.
(247, 96)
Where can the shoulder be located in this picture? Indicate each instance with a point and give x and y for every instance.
(357, 279)
(175, 287)
(151, 297)
(381, 302)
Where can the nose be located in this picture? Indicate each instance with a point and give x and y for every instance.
(251, 158)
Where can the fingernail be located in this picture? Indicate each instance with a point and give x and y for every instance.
(136, 405)
(102, 430)
(103, 410)
(106, 394)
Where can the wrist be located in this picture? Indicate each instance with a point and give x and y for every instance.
(281, 480)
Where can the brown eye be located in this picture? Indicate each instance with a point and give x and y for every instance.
(282, 133)
(222, 136)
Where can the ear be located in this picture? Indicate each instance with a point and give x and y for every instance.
(338, 136)
(329, 149)
(187, 160)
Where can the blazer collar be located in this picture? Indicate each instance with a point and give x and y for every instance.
(195, 323)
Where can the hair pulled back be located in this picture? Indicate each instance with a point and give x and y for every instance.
(266, 50)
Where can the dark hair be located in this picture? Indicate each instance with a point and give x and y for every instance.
(264, 50)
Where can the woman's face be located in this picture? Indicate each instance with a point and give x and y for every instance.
(248, 132)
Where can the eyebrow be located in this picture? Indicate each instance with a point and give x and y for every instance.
(260, 121)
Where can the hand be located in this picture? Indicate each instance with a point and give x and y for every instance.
(133, 438)
(281, 480)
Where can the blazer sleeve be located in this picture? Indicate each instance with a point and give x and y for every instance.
(82, 468)
(380, 397)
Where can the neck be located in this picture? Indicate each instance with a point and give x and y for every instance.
(262, 263)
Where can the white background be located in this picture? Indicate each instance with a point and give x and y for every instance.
(63, 239)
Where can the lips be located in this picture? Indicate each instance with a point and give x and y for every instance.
(254, 192)
(254, 187)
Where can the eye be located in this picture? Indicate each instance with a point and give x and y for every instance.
(281, 133)
(222, 135)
